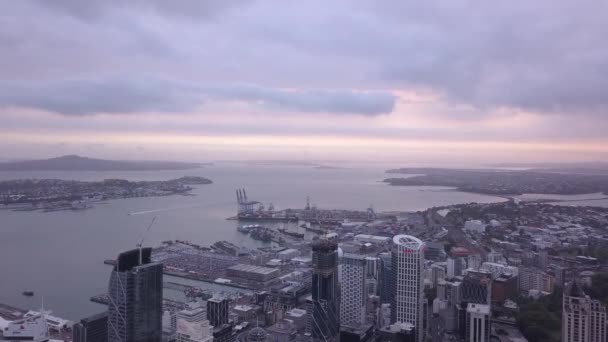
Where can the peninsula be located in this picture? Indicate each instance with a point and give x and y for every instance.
(57, 194)
(501, 182)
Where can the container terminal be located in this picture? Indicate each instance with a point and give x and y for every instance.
(253, 210)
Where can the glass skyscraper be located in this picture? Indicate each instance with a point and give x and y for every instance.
(325, 291)
(136, 298)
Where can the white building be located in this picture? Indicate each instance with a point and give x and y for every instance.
(363, 238)
(496, 257)
(455, 267)
(535, 279)
(583, 319)
(475, 226)
(478, 323)
(499, 269)
(287, 254)
(354, 290)
(192, 324)
(407, 265)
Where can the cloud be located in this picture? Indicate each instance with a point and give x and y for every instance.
(181, 8)
(145, 94)
(540, 56)
(311, 101)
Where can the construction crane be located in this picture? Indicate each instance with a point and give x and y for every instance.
(143, 236)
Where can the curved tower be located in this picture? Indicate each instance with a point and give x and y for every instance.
(136, 298)
(407, 288)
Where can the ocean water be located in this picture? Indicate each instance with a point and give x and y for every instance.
(59, 255)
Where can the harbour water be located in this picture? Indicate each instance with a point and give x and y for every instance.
(59, 255)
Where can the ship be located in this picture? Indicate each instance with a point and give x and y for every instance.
(33, 328)
(27, 293)
(261, 234)
(292, 234)
(248, 228)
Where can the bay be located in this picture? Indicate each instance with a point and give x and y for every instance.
(59, 255)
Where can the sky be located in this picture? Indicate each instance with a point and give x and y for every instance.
(394, 80)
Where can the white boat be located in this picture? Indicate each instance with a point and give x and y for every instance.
(32, 328)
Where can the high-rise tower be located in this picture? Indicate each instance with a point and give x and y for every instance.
(136, 298)
(354, 290)
(325, 291)
(407, 266)
(583, 318)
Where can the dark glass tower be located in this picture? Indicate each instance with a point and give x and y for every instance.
(136, 298)
(325, 296)
(386, 278)
(91, 329)
(217, 311)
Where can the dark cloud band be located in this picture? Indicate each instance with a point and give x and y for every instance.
(136, 94)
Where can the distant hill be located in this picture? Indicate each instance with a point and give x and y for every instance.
(598, 167)
(78, 163)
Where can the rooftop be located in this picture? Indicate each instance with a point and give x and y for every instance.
(408, 241)
(478, 308)
(252, 269)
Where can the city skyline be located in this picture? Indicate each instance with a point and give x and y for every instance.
(405, 81)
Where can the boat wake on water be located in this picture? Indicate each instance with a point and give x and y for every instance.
(172, 209)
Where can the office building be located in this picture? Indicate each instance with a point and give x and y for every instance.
(360, 333)
(478, 323)
(560, 276)
(397, 332)
(218, 309)
(499, 269)
(192, 324)
(91, 329)
(477, 287)
(504, 288)
(373, 270)
(325, 301)
(136, 298)
(455, 266)
(353, 290)
(496, 257)
(583, 318)
(438, 272)
(408, 264)
(386, 278)
(535, 279)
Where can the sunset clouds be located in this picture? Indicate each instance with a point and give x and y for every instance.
(409, 78)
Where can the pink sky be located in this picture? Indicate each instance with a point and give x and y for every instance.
(398, 81)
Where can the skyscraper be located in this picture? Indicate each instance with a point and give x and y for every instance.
(386, 278)
(583, 318)
(407, 264)
(354, 293)
(217, 311)
(136, 298)
(325, 291)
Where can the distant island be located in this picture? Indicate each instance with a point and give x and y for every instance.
(328, 167)
(78, 163)
(57, 194)
(501, 182)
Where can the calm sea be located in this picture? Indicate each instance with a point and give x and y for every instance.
(59, 255)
